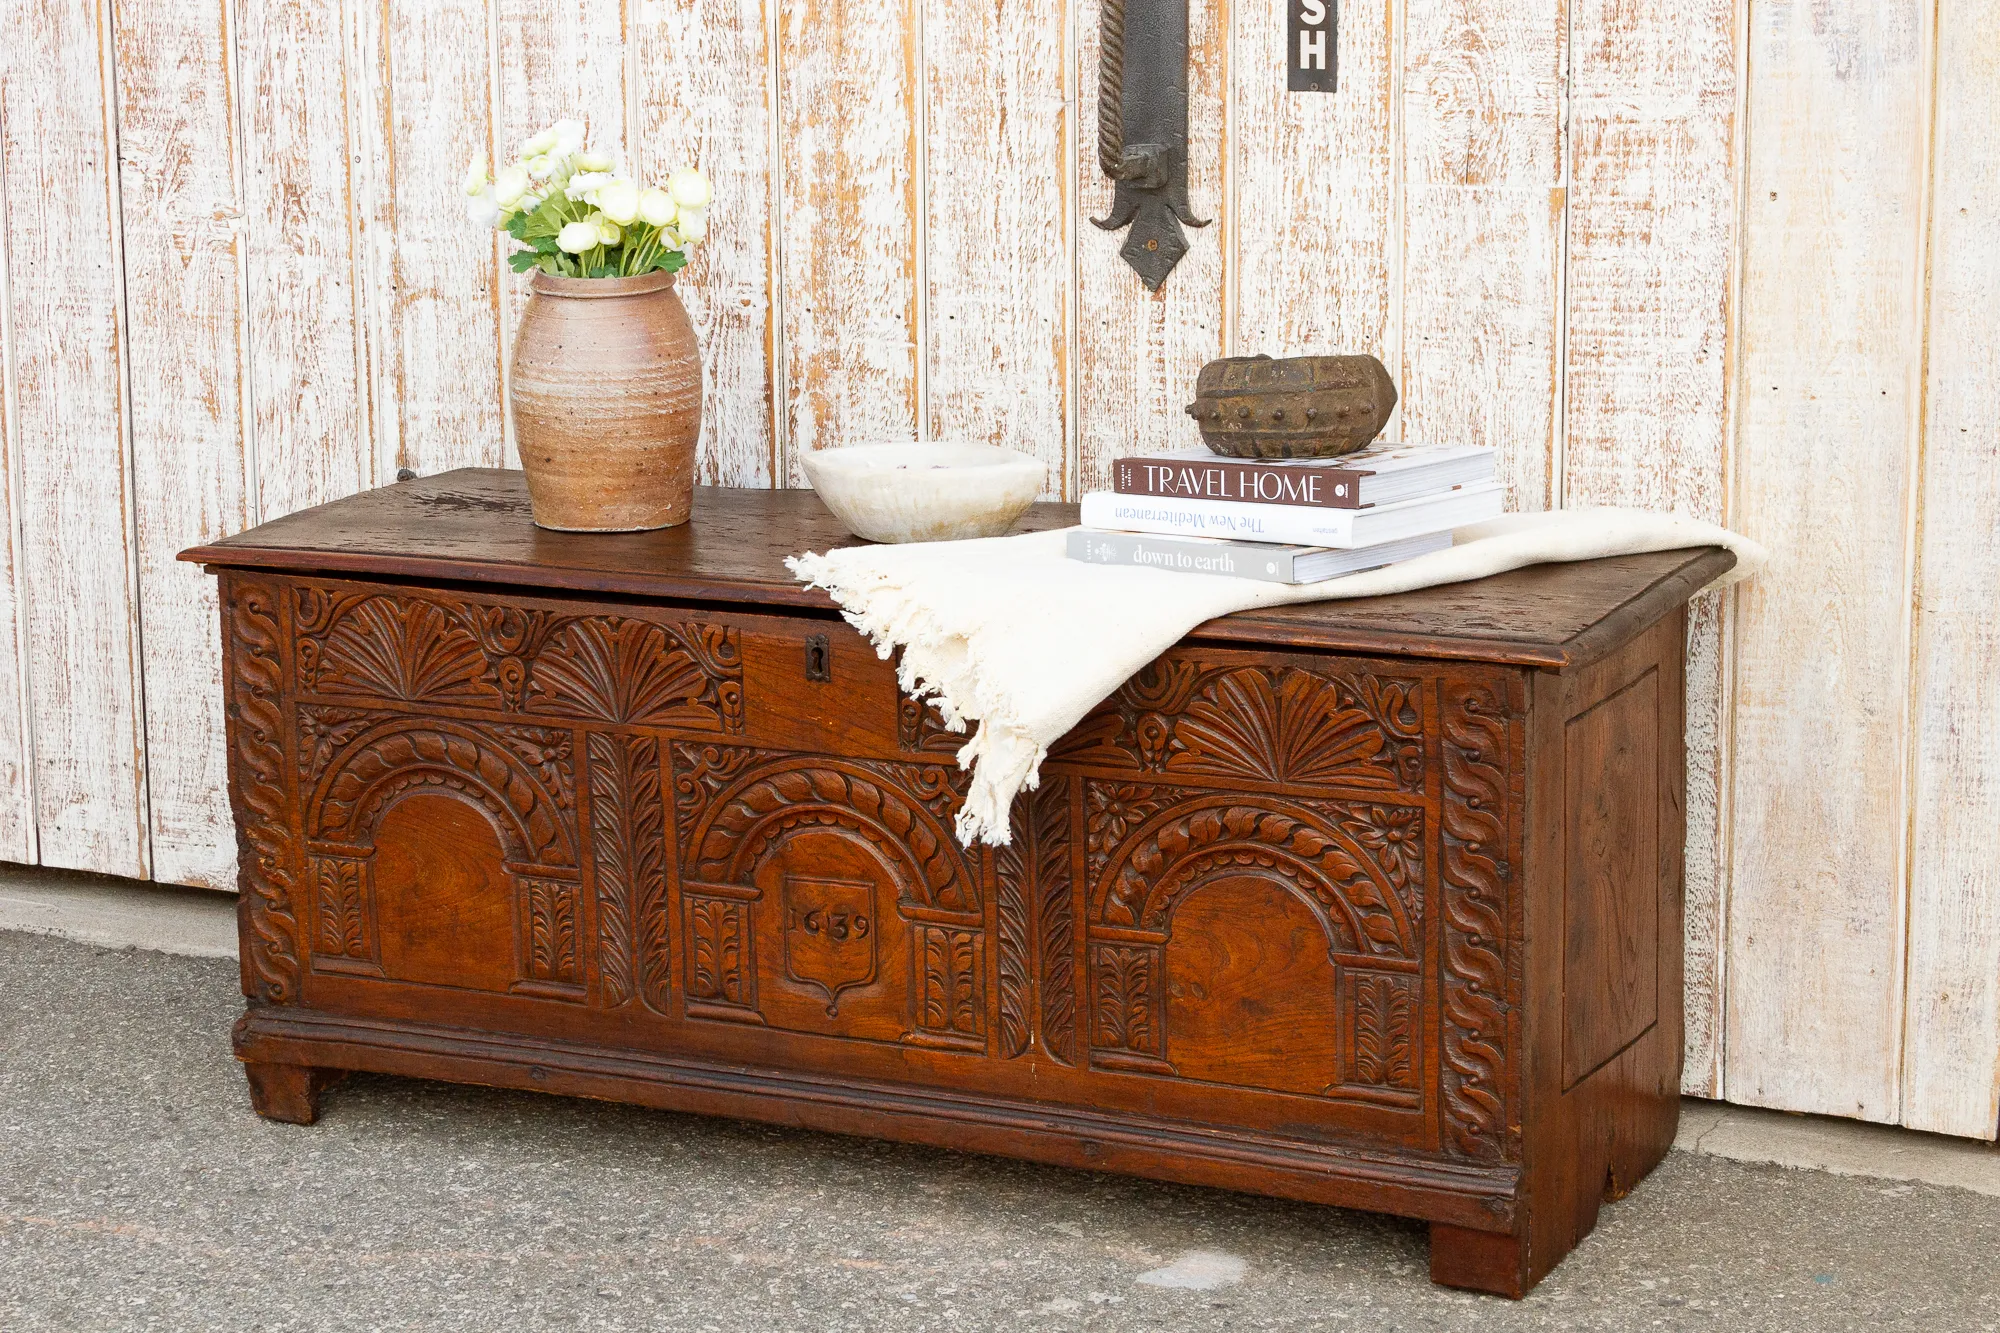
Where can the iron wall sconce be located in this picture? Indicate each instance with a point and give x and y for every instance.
(1142, 130)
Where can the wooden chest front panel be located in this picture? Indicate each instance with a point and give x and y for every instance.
(1255, 889)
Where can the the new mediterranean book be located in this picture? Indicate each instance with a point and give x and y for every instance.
(1377, 475)
(1297, 525)
(1244, 560)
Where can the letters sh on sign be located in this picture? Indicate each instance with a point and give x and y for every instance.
(1314, 34)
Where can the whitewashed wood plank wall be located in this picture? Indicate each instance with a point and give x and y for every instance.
(1737, 258)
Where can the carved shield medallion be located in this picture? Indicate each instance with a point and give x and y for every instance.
(830, 931)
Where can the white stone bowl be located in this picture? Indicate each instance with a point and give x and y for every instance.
(925, 492)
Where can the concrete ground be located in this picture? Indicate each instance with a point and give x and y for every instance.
(137, 1191)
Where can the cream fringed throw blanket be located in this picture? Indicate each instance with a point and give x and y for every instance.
(1010, 633)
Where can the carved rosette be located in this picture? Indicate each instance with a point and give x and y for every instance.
(1481, 758)
(1283, 725)
(266, 852)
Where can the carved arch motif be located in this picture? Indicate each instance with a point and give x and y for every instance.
(772, 800)
(398, 757)
(509, 778)
(1188, 843)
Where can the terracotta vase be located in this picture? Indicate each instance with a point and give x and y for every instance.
(607, 403)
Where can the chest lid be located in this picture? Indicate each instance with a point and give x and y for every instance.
(473, 526)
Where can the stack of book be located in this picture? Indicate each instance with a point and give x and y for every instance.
(1285, 520)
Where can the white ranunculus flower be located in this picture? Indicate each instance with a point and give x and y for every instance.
(540, 165)
(576, 237)
(475, 175)
(509, 185)
(539, 144)
(657, 207)
(569, 136)
(584, 185)
(482, 209)
(693, 224)
(608, 231)
(592, 160)
(689, 187)
(619, 201)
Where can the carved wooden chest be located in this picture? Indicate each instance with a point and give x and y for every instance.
(1375, 904)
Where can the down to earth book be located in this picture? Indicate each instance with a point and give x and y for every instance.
(1244, 560)
(1298, 525)
(1380, 474)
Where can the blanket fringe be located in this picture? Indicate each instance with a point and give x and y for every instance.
(940, 666)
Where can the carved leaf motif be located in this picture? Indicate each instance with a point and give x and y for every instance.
(1056, 920)
(1382, 1032)
(552, 951)
(715, 954)
(951, 983)
(1478, 753)
(1124, 999)
(401, 648)
(1265, 724)
(627, 835)
(257, 794)
(614, 670)
(343, 928)
(1286, 726)
(1010, 903)
(1033, 876)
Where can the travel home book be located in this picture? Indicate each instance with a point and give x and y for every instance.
(1243, 560)
(1379, 474)
(1298, 525)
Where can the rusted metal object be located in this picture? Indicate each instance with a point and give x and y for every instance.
(1294, 407)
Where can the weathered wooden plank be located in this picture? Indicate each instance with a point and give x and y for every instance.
(1832, 294)
(1316, 186)
(1951, 1054)
(847, 127)
(1652, 200)
(17, 791)
(310, 401)
(1139, 351)
(998, 263)
(703, 75)
(421, 84)
(558, 58)
(56, 149)
(186, 359)
(1482, 245)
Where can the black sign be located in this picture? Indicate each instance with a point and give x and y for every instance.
(1312, 65)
